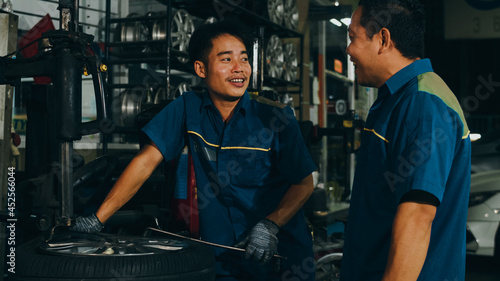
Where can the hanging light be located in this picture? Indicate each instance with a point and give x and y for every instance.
(346, 21)
(475, 137)
(336, 3)
(336, 22)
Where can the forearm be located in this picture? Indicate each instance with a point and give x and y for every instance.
(410, 241)
(130, 181)
(292, 201)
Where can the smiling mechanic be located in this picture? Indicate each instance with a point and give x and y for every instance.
(253, 171)
(408, 211)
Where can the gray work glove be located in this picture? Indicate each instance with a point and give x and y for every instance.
(261, 244)
(89, 224)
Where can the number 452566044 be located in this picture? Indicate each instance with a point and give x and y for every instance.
(11, 193)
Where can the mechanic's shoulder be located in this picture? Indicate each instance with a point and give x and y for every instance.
(192, 97)
(266, 101)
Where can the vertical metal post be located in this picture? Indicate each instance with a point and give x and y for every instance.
(254, 82)
(68, 14)
(68, 89)
(322, 89)
(68, 111)
(107, 29)
(257, 81)
(65, 16)
(169, 47)
(76, 15)
(261, 58)
(66, 182)
(351, 97)
(109, 77)
(8, 33)
(301, 79)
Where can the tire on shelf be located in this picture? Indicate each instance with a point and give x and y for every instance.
(113, 257)
(290, 14)
(133, 101)
(274, 57)
(275, 11)
(341, 107)
(291, 63)
(182, 28)
(270, 9)
(160, 95)
(134, 31)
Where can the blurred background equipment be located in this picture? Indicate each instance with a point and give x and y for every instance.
(290, 65)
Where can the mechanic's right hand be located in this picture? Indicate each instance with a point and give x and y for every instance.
(88, 224)
(261, 244)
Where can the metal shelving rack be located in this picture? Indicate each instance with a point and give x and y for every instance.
(262, 27)
(152, 58)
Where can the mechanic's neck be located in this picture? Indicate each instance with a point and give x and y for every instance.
(392, 66)
(225, 107)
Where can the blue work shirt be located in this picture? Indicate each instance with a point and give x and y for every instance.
(243, 168)
(415, 138)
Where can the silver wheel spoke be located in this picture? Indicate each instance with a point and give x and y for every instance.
(105, 245)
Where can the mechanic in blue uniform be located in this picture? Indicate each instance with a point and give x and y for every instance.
(408, 210)
(253, 171)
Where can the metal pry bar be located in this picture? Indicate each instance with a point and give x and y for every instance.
(207, 243)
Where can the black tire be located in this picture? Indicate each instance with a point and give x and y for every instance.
(191, 262)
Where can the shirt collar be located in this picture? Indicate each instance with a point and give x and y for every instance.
(409, 72)
(242, 105)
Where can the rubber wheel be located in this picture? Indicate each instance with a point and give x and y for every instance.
(328, 267)
(190, 262)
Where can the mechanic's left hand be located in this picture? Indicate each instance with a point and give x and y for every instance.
(261, 244)
(89, 224)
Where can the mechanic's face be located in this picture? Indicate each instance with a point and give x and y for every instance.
(228, 71)
(363, 52)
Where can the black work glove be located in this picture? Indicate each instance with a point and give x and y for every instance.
(89, 224)
(261, 244)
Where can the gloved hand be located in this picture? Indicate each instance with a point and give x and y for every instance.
(89, 224)
(261, 243)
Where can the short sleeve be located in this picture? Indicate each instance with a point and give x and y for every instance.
(167, 131)
(425, 156)
(294, 160)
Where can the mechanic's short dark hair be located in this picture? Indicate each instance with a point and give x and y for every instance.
(201, 44)
(405, 20)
